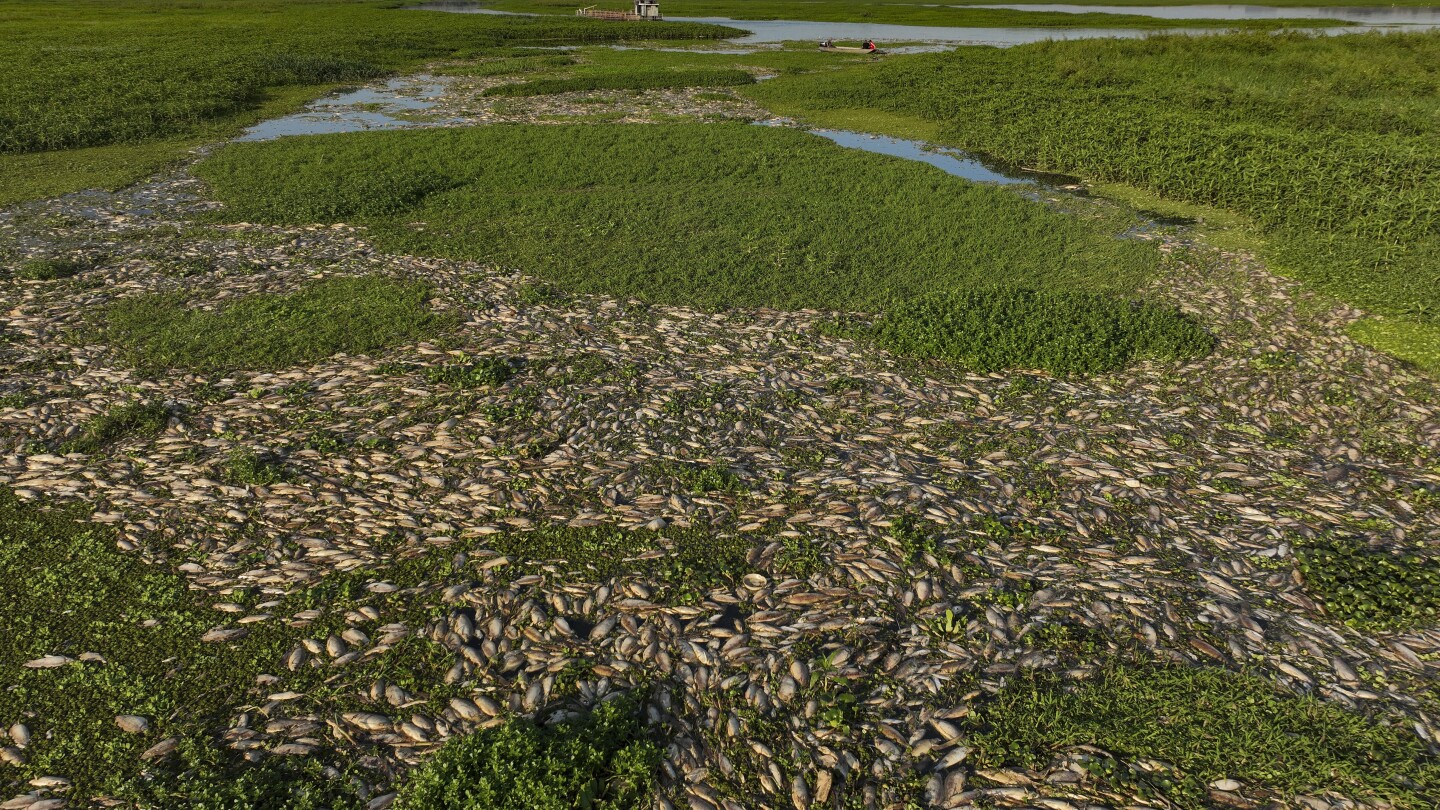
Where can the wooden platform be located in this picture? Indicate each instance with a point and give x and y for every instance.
(603, 14)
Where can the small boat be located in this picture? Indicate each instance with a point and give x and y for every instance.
(843, 49)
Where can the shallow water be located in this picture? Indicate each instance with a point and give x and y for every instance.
(1369, 16)
(967, 166)
(802, 30)
(355, 111)
(950, 161)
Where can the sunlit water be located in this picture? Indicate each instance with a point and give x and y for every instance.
(1378, 15)
(950, 161)
(771, 31)
(356, 111)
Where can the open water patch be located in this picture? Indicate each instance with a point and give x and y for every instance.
(777, 31)
(951, 161)
(968, 166)
(1378, 15)
(367, 108)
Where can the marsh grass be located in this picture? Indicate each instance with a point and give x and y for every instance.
(645, 80)
(605, 759)
(133, 419)
(68, 590)
(352, 315)
(1064, 332)
(1207, 724)
(1415, 343)
(508, 65)
(1373, 588)
(122, 72)
(776, 218)
(105, 94)
(1325, 144)
(51, 269)
(246, 467)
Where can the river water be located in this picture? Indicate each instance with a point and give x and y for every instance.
(1378, 15)
(772, 31)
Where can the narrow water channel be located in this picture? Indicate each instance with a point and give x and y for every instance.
(371, 108)
(950, 161)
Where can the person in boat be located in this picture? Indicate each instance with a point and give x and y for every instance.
(869, 45)
(827, 43)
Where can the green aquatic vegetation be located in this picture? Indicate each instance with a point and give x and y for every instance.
(142, 419)
(798, 557)
(86, 74)
(1208, 724)
(359, 315)
(778, 218)
(325, 441)
(245, 467)
(505, 66)
(68, 590)
(1370, 587)
(479, 373)
(605, 760)
(948, 626)
(51, 269)
(1323, 143)
(633, 80)
(693, 562)
(1416, 343)
(916, 540)
(16, 399)
(1062, 332)
(699, 479)
(117, 91)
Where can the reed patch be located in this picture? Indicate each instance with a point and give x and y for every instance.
(721, 216)
(352, 315)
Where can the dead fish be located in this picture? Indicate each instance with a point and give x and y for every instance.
(132, 723)
(160, 749)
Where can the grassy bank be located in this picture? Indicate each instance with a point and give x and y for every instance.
(1324, 144)
(1270, 3)
(1214, 724)
(151, 81)
(870, 11)
(351, 315)
(706, 215)
(634, 80)
(604, 64)
(725, 216)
